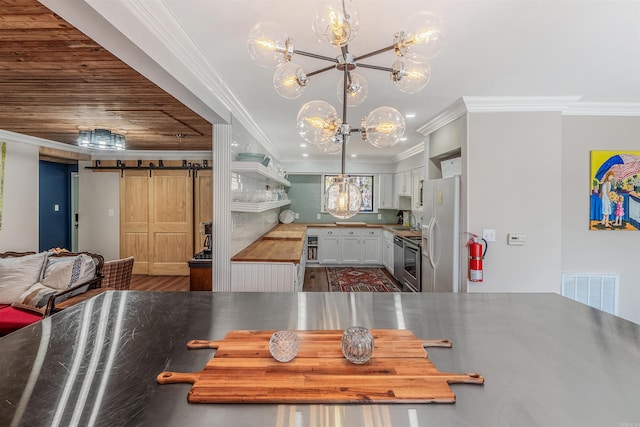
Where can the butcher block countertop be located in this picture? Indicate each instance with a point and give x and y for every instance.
(284, 242)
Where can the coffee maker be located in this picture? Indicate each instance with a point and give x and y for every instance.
(207, 239)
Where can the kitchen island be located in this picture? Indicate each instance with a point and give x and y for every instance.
(546, 360)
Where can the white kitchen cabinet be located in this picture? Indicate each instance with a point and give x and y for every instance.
(387, 250)
(417, 189)
(403, 183)
(329, 245)
(351, 246)
(386, 193)
(371, 243)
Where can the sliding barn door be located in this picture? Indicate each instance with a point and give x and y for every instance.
(171, 222)
(157, 221)
(134, 219)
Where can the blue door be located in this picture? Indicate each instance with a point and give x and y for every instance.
(55, 205)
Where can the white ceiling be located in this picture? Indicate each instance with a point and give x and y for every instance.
(520, 48)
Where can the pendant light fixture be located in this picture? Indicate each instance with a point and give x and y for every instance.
(101, 139)
(318, 122)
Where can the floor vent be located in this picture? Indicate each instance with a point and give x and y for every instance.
(596, 290)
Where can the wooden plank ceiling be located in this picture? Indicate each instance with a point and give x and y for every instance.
(54, 81)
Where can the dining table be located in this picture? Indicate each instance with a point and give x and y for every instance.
(545, 360)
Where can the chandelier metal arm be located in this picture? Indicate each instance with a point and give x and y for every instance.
(321, 70)
(314, 55)
(375, 52)
(374, 67)
(344, 116)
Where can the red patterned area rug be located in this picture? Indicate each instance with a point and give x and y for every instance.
(353, 279)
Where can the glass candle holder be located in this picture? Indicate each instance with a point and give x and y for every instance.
(284, 345)
(357, 344)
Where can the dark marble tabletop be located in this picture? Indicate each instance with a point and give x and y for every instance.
(547, 361)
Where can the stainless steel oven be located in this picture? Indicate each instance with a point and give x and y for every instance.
(398, 265)
(411, 269)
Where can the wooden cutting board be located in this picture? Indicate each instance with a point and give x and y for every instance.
(243, 371)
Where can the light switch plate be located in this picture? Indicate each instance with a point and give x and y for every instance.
(489, 234)
(318, 216)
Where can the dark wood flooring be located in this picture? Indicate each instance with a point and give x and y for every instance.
(315, 280)
(142, 282)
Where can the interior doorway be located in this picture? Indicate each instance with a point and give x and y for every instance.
(55, 205)
(75, 189)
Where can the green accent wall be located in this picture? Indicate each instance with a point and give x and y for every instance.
(306, 193)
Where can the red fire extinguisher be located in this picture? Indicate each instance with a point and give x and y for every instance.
(476, 255)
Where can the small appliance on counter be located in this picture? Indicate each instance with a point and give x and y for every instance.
(207, 239)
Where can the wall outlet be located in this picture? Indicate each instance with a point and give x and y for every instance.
(379, 216)
(297, 215)
(56, 208)
(111, 212)
(318, 216)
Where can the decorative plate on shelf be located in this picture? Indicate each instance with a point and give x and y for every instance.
(287, 217)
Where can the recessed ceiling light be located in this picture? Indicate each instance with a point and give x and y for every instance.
(354, 155)
(404, 138)
(410, 115)
(305, 155)
(303, 145)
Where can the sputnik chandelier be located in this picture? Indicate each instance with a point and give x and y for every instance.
(318, 122)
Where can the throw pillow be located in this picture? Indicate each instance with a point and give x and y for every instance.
(65, 272)
(35, 298)
(17, 274)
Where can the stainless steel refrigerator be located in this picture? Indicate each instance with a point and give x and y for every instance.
(441, 235)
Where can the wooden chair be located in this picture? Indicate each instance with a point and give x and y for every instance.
(117, 273)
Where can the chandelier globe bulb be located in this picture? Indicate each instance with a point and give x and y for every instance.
(289, 80)
(317, 122)
(384, 127)
(268, 45)
(423, 33)
(343, 198)
(357, 90)
(411, 73)
(333, 24)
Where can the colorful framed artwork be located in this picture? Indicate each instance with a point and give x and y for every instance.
(615, 190)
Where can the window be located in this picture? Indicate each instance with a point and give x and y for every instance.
(364, 183)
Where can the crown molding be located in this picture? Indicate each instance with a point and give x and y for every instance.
(40, 142)
(456, 110)
(416, 149)
(163, 25)
(493, 104)
(566, 105)
(603, 109)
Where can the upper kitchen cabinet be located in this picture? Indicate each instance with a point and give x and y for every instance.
(402, 181)
(386, 198)
(445, 144)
